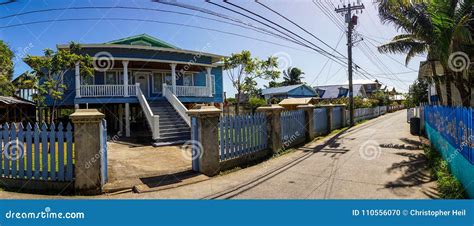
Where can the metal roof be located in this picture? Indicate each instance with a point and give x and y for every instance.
(282, 89)
(13, 100)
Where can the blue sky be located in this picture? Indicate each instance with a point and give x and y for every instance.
(33, 39)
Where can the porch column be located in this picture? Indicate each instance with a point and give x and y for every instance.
(78, 80)
(209, 80)
(173, 77)
(125, 78)
(127, 119)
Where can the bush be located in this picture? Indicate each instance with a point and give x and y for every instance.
(449, 186)
(255, 102)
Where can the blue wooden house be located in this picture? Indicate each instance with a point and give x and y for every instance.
(145, 86)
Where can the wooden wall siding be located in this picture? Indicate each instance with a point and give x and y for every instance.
(37, 152)
(292, 127)
(242, 134)
(320, 121)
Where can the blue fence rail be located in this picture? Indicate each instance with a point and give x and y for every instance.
(103, 152)
(292, 127)
(242, 134)
(455, 125)
(37, 152)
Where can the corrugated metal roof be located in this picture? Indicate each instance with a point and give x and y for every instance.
(13, 100)
(296, 101)
(278, 90)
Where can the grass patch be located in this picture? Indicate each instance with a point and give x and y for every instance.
(449, 186)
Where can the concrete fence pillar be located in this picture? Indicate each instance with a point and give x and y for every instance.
(273, 114)
(208, 139)
(87, 151)
(309, 122)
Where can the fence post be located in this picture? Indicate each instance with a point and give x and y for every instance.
(309, 122)
(87, 151)
(273, 114)
(208, 138)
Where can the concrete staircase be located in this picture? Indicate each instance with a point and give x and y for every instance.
(173, 129)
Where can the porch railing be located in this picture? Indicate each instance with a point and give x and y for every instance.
(177, 105)
(192, 91)
(107, 90)
(153, 120)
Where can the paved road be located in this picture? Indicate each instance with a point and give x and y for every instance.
(377, 160)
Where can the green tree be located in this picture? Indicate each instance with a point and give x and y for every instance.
(292, 76)
(436, 28)
(6, 70)
(243, 68)
(418, 93)
(256, 102)
(273, 84)
(382, 98)
(50, 70)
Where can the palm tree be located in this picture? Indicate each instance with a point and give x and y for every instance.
(433, 28)
(292, 76)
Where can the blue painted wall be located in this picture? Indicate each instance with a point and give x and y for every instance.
(460, 167)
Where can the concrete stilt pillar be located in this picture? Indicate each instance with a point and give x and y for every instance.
(127, 119)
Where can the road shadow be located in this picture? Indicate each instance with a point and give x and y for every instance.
(414, 172)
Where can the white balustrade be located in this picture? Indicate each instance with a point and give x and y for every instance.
(192, 91)
(106, 90)
(177, 105)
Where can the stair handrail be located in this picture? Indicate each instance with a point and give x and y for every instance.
(177, 105)
(153, 120)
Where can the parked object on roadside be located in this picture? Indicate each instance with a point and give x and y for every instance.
(415, 126)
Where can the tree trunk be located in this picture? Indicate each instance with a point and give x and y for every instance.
(238, 103)
(464, 90)
(437, 83)
(449, 97)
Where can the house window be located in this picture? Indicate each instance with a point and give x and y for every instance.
(157, 82)
(111, 78)
(213, 84)
(168, 78)
(87, 80)
(188, 79)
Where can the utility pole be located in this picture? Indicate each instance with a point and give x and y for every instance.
(351, 21)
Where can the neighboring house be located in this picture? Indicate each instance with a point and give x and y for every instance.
(370, 86)
(330, 92)
(293, 91)
(14, 109)
(23, 93)
(146, 83)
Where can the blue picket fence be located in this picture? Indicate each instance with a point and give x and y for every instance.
(37, 152)
(455, 125)
(292, 127)
(242, 134)
(320, 121)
